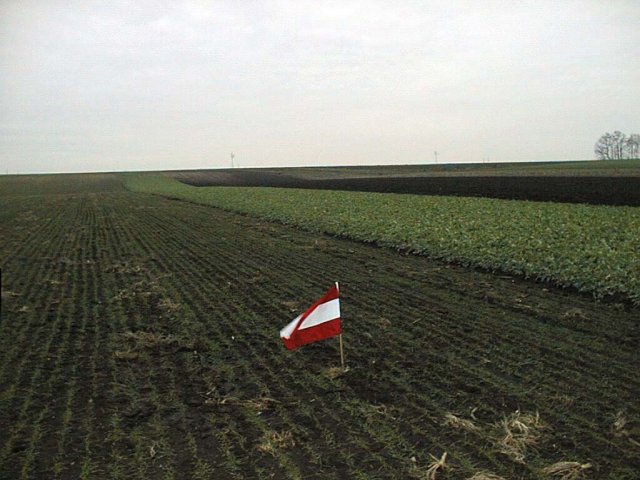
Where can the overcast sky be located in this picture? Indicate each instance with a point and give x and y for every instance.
(142, 84)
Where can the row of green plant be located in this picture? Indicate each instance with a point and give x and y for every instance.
(140, 340)
(58, 183)
(592, 248)
(282, 413)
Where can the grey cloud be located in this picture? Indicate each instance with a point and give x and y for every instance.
(147, 85)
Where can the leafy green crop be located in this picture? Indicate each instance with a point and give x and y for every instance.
(592, 248)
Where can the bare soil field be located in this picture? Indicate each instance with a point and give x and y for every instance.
(139, 339)
(618, 187)
(597, 168)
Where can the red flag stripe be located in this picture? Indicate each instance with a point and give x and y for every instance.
(309, 335)
(332, 294)
(320, 321)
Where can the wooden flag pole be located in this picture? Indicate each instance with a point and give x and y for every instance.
(341, 353)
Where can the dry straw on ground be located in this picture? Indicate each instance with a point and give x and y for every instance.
(431, 470)
(518, 433)
(574, 314)
(566, 470)
(7, 294)
(335, 372)
(486, 476)
(168, 305)
(451, 420)
(272, 441)
(435, 466)
(564, 400)
(372, 413)
(619, 425)
(259, 404)
(126, 355)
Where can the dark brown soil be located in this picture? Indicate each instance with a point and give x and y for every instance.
(140, 340)
(614, 190)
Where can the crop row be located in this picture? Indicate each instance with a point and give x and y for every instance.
(58, 184)
(389, 410)
(375, 412)
(591, 248)
(142, 342)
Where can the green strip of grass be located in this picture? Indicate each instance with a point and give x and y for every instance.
(592, 248)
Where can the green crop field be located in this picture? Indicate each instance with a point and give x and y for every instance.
(591, 248)
(139, 339)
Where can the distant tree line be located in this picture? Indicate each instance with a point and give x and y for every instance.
(617, 146)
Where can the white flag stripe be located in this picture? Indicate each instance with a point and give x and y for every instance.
(288, 330)
(323, 313)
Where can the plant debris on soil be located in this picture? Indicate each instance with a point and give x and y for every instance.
(153, 351)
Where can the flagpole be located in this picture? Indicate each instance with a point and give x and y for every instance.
(341, 349)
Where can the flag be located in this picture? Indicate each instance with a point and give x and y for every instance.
(320, 321)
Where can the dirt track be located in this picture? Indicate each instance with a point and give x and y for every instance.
(614, 190)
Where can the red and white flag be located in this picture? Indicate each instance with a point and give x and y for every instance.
(320, 321)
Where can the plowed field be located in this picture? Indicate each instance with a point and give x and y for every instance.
(545, 185)
(139, 339)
